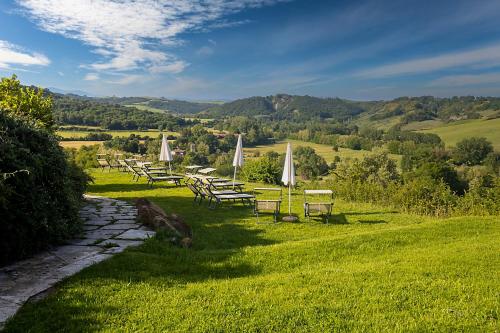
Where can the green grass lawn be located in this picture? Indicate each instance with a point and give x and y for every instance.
(370, 269)
(456, 131)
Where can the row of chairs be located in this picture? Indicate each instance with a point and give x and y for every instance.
(152, 174)
(216, 197)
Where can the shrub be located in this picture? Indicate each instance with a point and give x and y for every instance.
(84, 157)
(39, 207)
(309, 164)
(262, 170)
(472, 151)
(26, 103)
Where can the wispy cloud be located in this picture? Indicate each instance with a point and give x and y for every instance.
(133, 34)
(483, 57)
(466, 80)
(11, 54)
(91, 77)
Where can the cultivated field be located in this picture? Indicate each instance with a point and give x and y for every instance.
(78, 144)
(454, 132)
(370, 269)
(325, 151)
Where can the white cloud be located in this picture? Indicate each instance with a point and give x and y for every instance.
(174, 67)
(11, 54)
(483, 57)
(127, 79)
(60, 73)
(466, 80)
(91, 77)
(131, 34)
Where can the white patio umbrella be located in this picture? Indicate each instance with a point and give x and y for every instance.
(288, 178)
(165, 153)
(238, 157)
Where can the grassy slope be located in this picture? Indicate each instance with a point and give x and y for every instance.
(369, 270)
(457, 131)
(144, 107)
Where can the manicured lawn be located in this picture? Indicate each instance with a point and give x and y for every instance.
(454, 132)
(370, 269)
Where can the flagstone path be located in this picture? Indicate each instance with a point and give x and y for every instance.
(110, 227)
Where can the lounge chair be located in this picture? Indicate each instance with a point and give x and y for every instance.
(134, 169)
(198, 194)
(103, 163)
(322, 207)
(216, 197)
(160, 176)
(123, 166)
(267, 204)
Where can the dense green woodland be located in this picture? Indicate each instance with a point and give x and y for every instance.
(112, 112)
(69, 110)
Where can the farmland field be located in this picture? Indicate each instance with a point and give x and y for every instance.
(325, 151)
(454, 132)
(78, 144)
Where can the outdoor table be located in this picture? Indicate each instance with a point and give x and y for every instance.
(206, 171)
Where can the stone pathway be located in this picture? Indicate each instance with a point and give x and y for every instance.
(110, 227)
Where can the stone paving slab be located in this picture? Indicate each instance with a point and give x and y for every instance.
(106, 222)
(136, 234)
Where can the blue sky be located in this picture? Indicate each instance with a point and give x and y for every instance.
(227, 49)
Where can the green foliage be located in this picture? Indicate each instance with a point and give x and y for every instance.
(472, 151)
(440, 171)
(26, 103)
(433, 189)
(73, 110)
(263, 170)
(94, 136)
(84, 157)
(38, 207)
(309, 164)
(132, 144)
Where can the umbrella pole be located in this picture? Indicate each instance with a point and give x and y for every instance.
(170, 168)
(289, 200)
(234, 176)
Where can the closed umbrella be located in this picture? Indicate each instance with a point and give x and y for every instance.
(238, 157)
(165, 153)
(288, 178)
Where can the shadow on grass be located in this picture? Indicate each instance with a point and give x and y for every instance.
(371, 213)
(130, 187)
(70, 315)
(372, 221)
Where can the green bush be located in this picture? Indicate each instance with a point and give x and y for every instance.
(40, 191)
(309, 164)
(472, 151)
(84, 157)
(262, 170)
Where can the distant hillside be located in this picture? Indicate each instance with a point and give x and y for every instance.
(76, 110)
(290, 107)
(169, 105)
(400, 111)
